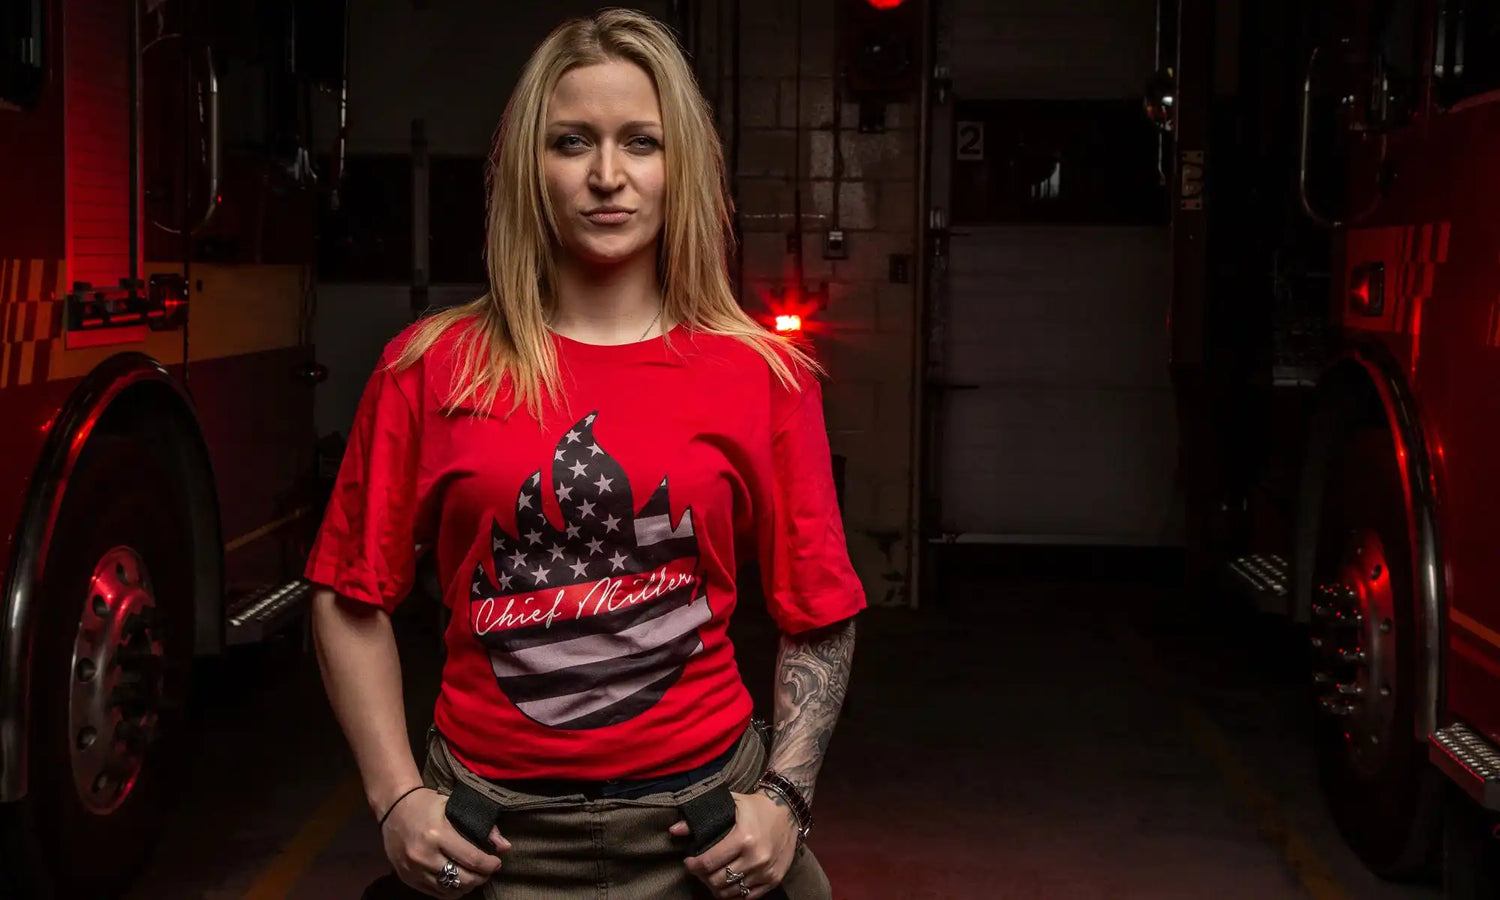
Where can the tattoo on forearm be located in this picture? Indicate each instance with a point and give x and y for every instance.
(777, 799)
(812, 676)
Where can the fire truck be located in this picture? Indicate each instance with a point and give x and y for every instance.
(157, 470)
(1335, 173)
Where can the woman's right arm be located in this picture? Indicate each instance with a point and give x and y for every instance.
(362, 673)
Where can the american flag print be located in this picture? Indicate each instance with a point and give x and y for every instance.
(589, 624)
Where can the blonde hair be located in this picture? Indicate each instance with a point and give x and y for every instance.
(504, 331)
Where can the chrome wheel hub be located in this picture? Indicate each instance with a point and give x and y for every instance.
(1354, 632)
(116, 681)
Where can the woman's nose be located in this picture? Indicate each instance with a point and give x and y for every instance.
(606, 173)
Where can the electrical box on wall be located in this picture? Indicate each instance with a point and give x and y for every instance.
(833, 244)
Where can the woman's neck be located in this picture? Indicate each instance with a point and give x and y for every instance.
(608, 304)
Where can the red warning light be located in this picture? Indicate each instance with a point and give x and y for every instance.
(885, 4)
(1367, 289)
(785, 324)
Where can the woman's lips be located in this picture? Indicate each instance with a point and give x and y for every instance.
(607, 218)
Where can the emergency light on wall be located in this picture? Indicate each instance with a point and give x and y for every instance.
(790, 311)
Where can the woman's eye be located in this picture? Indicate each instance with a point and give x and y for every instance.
(639, 143)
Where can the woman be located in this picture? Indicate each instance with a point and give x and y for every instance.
(590, 450)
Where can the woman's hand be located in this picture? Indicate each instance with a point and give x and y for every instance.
(759, 847)
(419, 841)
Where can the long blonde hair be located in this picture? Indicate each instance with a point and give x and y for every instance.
(505, 334)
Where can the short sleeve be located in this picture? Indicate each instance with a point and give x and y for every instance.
(804, 556)
(366, 545)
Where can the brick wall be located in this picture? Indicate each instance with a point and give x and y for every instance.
(864, 335)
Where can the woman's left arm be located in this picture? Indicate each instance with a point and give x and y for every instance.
(812, 676)
(814, 594)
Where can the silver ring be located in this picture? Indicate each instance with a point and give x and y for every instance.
(448, 877)
(733, 876)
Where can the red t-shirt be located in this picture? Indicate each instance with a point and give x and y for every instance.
(590, 562)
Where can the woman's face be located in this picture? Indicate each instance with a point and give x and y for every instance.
(606, 177)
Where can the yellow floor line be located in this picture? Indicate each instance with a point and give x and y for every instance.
(262, 531)
(1314, 875)
(1474, 627)
(281, 875)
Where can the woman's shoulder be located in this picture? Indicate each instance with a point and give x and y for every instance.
(421, 357)
(777, 374)
(430, 339)
(751, 357)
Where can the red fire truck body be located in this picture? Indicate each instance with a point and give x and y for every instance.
(156, 386)
(1434, 242)
(1357, 170)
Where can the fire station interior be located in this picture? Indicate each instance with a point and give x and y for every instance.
(1160, 340)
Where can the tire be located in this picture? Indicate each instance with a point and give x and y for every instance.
(1383, 796)
(119, 495)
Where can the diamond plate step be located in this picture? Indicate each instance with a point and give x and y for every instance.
(260, 613)
(1264, 577)
(1471, 761)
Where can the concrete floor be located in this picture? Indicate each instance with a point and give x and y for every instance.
(1039, 736)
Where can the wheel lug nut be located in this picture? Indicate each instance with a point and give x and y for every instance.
(86, 738)
(87, 669)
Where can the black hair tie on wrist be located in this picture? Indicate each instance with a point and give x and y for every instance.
(397, 801)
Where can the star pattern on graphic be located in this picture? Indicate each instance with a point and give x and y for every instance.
(578, 542)
(597, 536)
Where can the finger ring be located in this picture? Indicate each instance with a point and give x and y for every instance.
(448, 877)
(734, 877)
(744, 891)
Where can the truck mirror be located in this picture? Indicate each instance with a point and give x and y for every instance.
(1160, 100)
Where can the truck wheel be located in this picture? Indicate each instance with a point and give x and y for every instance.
(109, 674)
(1383, 797)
